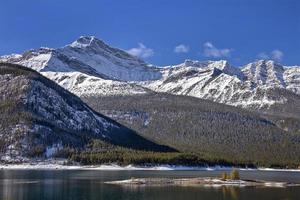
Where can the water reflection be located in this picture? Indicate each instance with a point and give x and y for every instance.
(231, 192)
(85, 185)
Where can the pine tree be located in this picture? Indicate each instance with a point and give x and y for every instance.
(224, 176)
(235, 175)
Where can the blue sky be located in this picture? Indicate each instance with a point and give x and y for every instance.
(160, 31)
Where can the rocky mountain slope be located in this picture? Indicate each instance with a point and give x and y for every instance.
(89, 67)
(38, 118)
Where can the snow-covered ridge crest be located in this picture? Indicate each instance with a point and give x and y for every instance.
(255, 85)
(85, 41)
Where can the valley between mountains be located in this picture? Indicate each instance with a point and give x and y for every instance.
(194, 113)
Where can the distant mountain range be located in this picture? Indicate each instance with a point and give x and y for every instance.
(102, 75)
(88, 66)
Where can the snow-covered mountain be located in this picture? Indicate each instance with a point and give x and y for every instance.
(38, 118)
(90, 56)
(252, 86)
(89, 67)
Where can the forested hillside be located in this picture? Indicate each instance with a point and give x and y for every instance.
(214, 130)
(38, 119)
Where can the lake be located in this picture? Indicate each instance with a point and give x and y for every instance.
(89, 184)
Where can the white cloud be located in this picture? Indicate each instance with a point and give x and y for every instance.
(182, 49)
(276, 55)
(141, 51)
(211, 51)
(263, 55)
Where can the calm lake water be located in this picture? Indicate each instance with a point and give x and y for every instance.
(85, 185)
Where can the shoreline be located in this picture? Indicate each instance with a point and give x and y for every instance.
(113, 167)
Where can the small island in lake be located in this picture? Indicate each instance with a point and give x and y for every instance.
(201, 181)
(226, 180)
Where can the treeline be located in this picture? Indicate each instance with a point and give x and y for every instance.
(99, 152)
(126, 157)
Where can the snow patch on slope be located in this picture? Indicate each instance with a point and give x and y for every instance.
(85, 85)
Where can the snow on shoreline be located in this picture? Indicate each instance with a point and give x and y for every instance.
(112, 167)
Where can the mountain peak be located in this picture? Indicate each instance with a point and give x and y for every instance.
(226, 67)
(265, 72)
(87, 41)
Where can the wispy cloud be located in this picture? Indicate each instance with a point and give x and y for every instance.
(141, 51)
(211, 51)
(276, 55)
(181, 48)
(263, 55)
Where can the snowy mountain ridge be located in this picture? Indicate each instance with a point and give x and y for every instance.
(89, 67)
